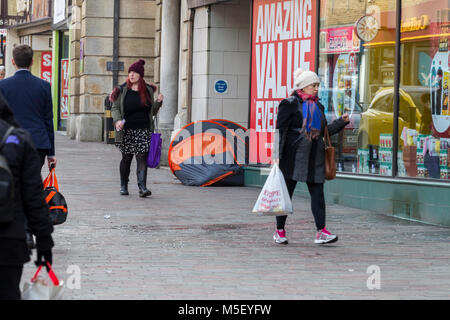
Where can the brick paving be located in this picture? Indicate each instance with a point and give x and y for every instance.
(203, 243)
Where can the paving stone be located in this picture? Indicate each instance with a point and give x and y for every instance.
(203, 243)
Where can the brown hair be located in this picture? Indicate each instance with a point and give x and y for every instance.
(23, 56)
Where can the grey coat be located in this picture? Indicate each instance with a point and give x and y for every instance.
(117, 112)
(295, 148)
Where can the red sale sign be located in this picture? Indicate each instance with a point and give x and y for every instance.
(283, 40)
(46, 66)
(64, 108)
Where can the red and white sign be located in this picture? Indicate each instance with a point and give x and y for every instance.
(46, 66)
(283, 40)
(64, 107)
(339, 40)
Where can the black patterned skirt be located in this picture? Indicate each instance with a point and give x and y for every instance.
(135, 141)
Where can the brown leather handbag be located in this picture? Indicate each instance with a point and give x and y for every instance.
(330, 161)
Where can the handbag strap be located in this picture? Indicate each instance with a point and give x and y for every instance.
(327, 138)
(51, 180)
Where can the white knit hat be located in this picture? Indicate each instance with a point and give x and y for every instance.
(303, 78)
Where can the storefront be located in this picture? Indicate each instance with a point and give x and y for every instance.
(394, 156)
(61, 62)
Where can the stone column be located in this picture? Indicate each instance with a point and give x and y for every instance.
(170, 41)
(11, 40)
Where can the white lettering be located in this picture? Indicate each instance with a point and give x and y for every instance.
(278, 23)
(374, 281)
(281, 90)
(297, 19)
(271, 83)
(46, 60)
(260, 30)
(260, 69)
(285, 34)
(269, 21)
(307, 19)
(259, 107)
(305, 46)
(74, 281)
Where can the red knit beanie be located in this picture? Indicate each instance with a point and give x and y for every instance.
(137, 67)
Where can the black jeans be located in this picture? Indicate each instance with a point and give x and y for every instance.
(10, 282)
(317, 203)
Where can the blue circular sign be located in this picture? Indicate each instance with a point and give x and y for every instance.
(221, 86)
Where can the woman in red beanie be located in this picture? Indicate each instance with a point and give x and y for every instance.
(133, 110)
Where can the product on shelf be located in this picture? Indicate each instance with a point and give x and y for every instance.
(443, 157)
(400, 164)
(363, 160)
(420, 157)
(410, 160)
(444, 172)
(385, 140)
(385, 169)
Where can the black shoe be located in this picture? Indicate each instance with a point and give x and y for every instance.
(124, 190)
(142, 184)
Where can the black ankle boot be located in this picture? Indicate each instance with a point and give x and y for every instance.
(124, 189)
(142, 184)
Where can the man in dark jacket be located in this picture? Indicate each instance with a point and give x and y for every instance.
(30, 99)
(29, 204)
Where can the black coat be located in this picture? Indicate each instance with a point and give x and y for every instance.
(300, 158)
(29, 199)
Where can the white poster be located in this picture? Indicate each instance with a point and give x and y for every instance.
(344, 84)
(439, 92)
(59, 11)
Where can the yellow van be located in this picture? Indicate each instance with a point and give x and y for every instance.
(414, 113)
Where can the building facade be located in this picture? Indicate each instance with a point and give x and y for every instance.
(386, 63)
(106, 37)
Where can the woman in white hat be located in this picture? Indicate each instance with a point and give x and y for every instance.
(301, 155)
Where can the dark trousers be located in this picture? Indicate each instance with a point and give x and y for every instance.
(125, 165)
(317, 203)
(42, 154)
(10, 282)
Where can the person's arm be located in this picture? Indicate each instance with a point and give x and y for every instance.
(116, 112)
(337, 125)
(157, 103)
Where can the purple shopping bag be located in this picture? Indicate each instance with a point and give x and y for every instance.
(154, 151)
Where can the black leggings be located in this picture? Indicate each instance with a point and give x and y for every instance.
(317, 203)
(125, 164)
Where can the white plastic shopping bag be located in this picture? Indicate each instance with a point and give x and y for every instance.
(40, 289)
(274, 198)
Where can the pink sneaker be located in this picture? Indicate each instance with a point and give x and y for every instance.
(324, 236)
(280, 237)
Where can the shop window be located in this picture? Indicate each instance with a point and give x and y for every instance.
(425, 119)
(357, 67)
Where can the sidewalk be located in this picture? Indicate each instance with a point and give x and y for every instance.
(203, 243)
